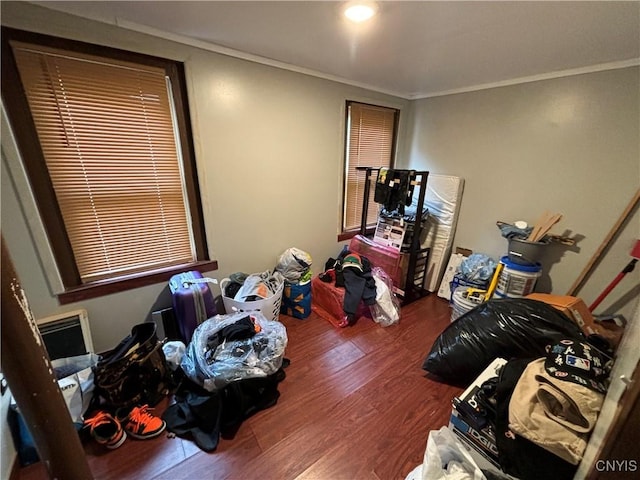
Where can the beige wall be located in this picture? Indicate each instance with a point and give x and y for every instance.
(269, 147)
(569, 145)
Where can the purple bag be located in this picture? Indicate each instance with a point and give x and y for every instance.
(193, 301)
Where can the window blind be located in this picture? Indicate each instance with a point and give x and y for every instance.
(371, 133)
(107, 133)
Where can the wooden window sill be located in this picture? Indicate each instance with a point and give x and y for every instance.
(107, 287)
(350, 234)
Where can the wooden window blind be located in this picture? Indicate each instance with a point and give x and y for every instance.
(108, 135)
(371, 135)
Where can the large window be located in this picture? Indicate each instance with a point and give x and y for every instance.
(370, 142)
(105, 139)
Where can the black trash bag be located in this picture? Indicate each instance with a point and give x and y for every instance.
(507, 328)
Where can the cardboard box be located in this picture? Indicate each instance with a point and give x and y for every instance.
(452, 267)
(577, 310)
(483, 440)
(390, 232)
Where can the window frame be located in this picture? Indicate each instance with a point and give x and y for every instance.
(24, 130)
(346, 234)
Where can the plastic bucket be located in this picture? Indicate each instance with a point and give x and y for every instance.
(523, 252)
(460, 303)
(516, 280)
(460, 281)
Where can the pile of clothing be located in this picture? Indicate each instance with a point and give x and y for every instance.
(228, 348)
(543, 410)
(256, 286)
(394, 189)
(204, 417)
(353, 273)
(362, 283)
(231, 370)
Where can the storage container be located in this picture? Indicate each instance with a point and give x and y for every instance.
(516, 280)
(524, 252)
(296, 300)
(461, 304)
(270, 307)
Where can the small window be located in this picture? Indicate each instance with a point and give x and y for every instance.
(370, 142)
(105, 139)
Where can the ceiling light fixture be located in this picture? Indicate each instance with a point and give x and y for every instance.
(360, 11)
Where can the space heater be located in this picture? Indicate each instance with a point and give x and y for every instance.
(66, 334)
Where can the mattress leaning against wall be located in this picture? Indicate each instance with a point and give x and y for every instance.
(442, 198)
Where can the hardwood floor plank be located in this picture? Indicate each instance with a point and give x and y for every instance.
(307, 382)
(228, 458)
(293, 454)
(395, 440)
(147, 459)
(309, 338)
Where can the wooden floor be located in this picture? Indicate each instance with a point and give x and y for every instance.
(355, 405)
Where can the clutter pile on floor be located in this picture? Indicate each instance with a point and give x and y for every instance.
(536, 384)
(350, 288)
(229, 370)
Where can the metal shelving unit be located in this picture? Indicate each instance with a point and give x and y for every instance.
(418, 257)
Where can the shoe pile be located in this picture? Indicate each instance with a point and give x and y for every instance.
(111, 431)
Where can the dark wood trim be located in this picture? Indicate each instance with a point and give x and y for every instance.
(345, 235)
(107, 287)
(33, 384)
(22, 122)
(179, 88)
(84, 47)
(345, 152)
(17, 107)
(352, 233)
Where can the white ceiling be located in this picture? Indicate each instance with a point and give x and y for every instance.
(412, 49)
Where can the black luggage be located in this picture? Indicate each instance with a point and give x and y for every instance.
(135, 372)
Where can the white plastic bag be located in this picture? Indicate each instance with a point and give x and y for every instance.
(173, 352)
(446, 459)
(75, 379)
(293, 264)
(386, 310)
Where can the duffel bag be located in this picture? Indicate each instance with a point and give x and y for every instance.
(135, 372)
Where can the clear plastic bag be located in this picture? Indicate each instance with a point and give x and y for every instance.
(258, 356)
(173, 352)
(258, 286)
(477, 267)
(386, 310)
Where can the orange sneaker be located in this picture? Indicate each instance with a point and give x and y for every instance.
(106, 430)
(140, 424)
